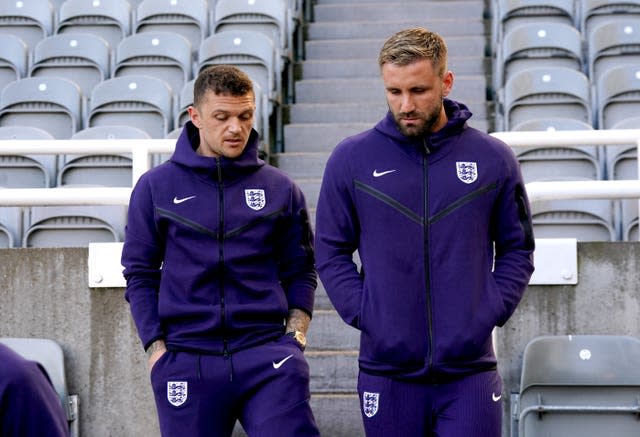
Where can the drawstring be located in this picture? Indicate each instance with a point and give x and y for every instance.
(198, 366)
(230, 356)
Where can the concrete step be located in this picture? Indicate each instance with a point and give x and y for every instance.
(311, 189)
(338, 415)
(390, 11)
(468, 89)
(333, 372)
(369, 48)
(447, 27)
(318, 137)
(329, 333)
(345, 68)
(338, 112)
(301, 165)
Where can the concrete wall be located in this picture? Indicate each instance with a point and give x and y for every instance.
(44, 293)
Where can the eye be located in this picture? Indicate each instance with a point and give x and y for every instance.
(221, 117)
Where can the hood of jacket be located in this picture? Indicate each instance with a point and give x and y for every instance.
(231, 169)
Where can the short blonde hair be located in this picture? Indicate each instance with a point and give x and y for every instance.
(410, 45)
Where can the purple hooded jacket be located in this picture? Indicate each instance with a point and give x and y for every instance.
(427, 219)
(217, 250)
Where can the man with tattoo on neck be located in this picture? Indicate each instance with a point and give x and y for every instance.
(220, 275)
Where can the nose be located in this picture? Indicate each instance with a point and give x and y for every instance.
(234, 125)
(406, 104)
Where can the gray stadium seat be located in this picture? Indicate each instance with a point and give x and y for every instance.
(29, 20)
(595, 12)
(112, 170)
(585, 220)
(10, 226)
(73, 226)
(580, 386)
(189, 18)
(559, 163)
(546, 93)
(26, 171)
(13, 59)
(51, 357)
(50, 103)
(618, 95)
(512, 13)
(83, 58)
(538, 45)
(613, 43)
(140, 101)
(164, 55)
(110, 19)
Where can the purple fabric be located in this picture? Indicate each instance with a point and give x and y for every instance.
(29, 406)
(265, 387)
(425, 217)
(230, 272)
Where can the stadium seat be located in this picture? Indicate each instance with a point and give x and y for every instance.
(26, 171)
(618, 95)
(10, 226)
(29, 20)
(108, 169)
(50, 356)
(164, 55)
(559, 163)
(83, 58)
(580, 386)
(189, 18)
(141, 101)
(252, 52)
(73, 226)
(584, 220)
(546, 93)
(50, 103)
(538, 45)
(595, 12)
(512, 13)
(110, 19)
(13, 59)
(613, 43)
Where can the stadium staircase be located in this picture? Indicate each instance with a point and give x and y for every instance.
(339, 93)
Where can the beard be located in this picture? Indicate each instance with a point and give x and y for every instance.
(422, 125)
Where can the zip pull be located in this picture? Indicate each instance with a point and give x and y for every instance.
(426, 148)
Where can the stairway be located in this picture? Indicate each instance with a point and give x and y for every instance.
(340, 93)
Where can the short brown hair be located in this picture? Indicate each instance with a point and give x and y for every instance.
(222, 80)
(410, 45)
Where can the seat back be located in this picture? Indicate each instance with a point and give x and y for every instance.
(612, 43)
(51, 103)
(189, 18)
(618, 95)
(164, 55)
(109, 19)
(85, 59)
(26, 171)
(29, 20)
(584, 220)
(595, 12)
(512, 13)
(140, 101)
(10, 226)
(580, 385)
(13, 59)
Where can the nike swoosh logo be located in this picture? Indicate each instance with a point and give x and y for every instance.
(496, 397)
(377, 174)
(184, 199)
(281, 362)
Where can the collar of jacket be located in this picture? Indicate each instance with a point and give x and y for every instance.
(232, 169)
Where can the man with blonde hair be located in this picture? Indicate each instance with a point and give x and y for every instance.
(438, 213)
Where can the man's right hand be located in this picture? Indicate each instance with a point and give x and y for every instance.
(154, 352)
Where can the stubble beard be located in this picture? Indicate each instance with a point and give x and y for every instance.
(418, 130)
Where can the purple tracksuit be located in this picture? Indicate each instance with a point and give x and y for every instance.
(427, 218)
(217, 252)
(29, 405)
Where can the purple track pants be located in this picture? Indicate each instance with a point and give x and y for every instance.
(265, 387)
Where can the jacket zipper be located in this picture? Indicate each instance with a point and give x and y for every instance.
(427, 277)
(223, 318)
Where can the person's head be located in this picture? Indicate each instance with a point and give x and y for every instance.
(413, 63)
(223, 109)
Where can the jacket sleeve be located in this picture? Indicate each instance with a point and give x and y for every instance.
(142, 259)
(514, 242)
(297, 271)
(337, 235)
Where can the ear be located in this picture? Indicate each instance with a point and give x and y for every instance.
(194, 115)
(447, 83)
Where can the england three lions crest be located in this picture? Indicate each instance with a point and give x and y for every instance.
(255, 198)
(467, 171)
(177, 392)
(370, 403)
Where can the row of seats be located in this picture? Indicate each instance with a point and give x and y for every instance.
(571, 65)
